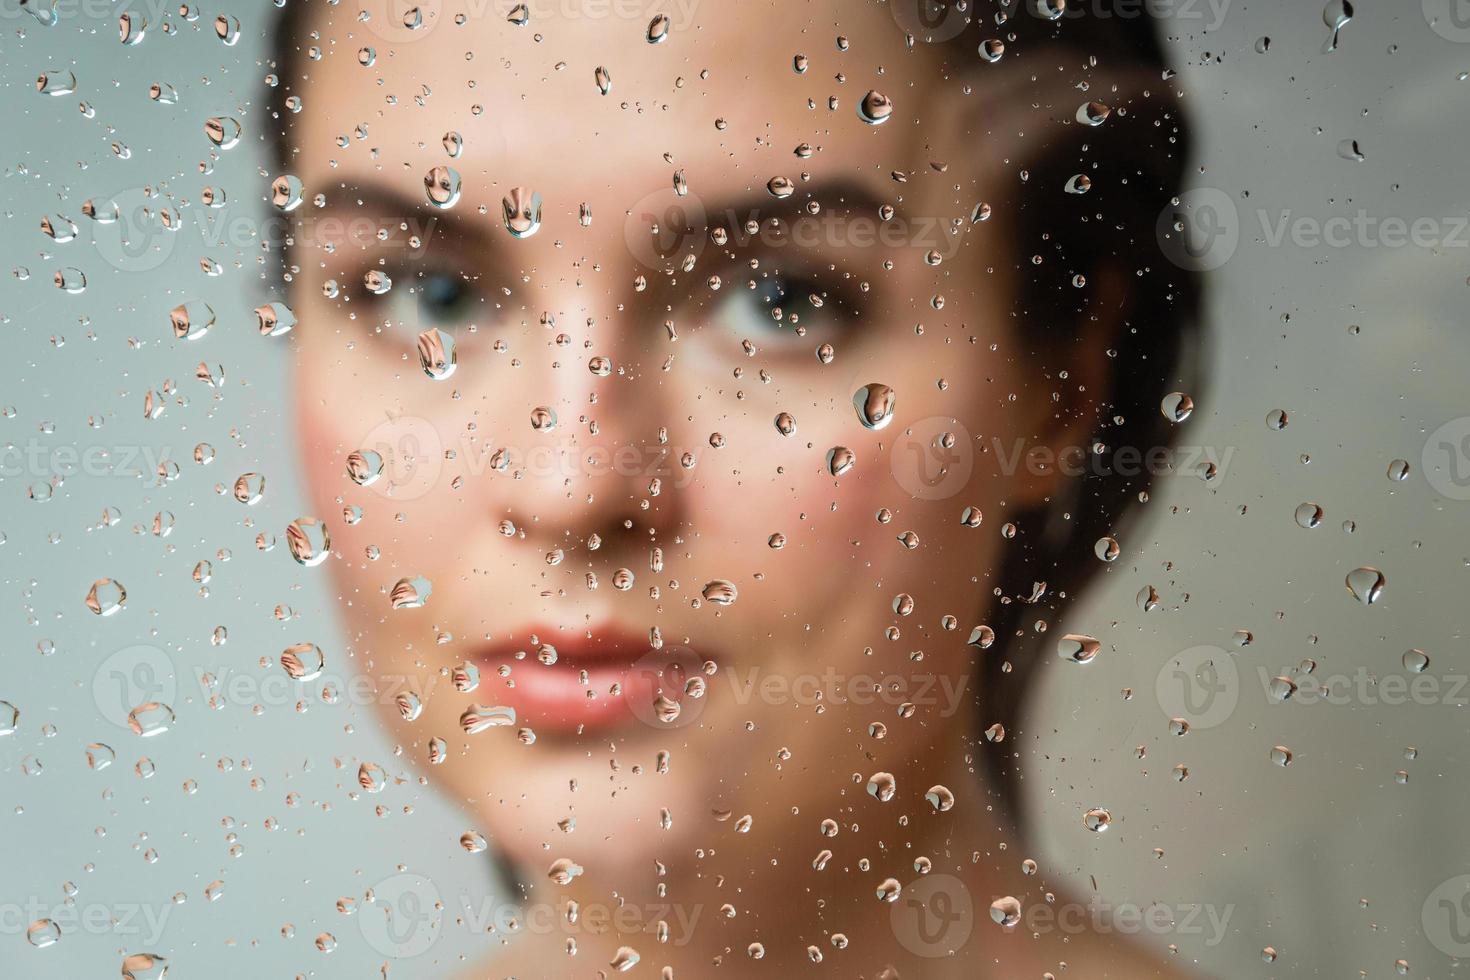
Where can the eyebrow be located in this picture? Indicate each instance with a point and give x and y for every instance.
(385, 201)
(845, 194)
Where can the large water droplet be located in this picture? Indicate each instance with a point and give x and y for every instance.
(308, 541)
(1078, 648)
(1366, 584)
(56, 82)
(441, 186)
(875, 404)
(410, 593)
(151, 718)
(521, 212)
(436, 354)
(840, 460)
(191, 320)
(43, 933)
(1336, 15)
(222, 131)
(106, 597)
(303, 661)
(144, 966)
(721, 592)
(875, 108)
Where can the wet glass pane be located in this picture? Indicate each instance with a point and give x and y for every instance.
(698, 488)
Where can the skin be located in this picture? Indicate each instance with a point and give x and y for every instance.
(810, 617)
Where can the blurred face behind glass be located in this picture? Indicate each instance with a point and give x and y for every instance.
(669, 358)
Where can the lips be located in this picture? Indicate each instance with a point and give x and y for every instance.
(612, 678)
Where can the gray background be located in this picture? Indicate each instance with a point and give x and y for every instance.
(1284, 856)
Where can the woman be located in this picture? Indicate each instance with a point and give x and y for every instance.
(724, 403)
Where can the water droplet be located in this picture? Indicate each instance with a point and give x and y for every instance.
(840, 460)
(100, 755)
(1097, 820)
(144, 966)
(131, 26)
(410, 593)
(875, 108)
(250, 488)
(441, 186)
(191, 320)
(106, 597)
(875, 404)
(1093, 113)
(151, 718)
(222, 131)
(626, 957)
(303, 661)
(781, 187)
(1005, 911)
(274, 319)
(476, 718)
(882, 786)
(56, 82)
(1176, 406)
(436, 354)
(1309, 515)
(308, 540)
(1415, 661)
(563, 870)
(1078, 648)
(1366, 584)
(720, 591)
(940, 798)
(364, 467)
(227, 29)
(658, 32)
(603, 77)
(286, 193)
(43, 933)
(521, 212)
(1335, 15)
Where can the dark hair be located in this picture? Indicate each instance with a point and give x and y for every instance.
(1136, 162)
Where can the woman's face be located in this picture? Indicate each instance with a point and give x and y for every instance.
(670, 343)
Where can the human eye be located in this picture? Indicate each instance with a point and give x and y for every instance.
(421, 297)
(791, 305)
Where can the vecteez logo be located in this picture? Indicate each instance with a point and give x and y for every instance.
(930, 21)
(134, 675)
(933, 916)
(1446, 459)
(1199, 230)
(665, 229)
(404, 918)
(1450, 19)
(1201, 685)
(932, 458)
(399, 21)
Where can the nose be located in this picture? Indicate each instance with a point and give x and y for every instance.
(579, 454)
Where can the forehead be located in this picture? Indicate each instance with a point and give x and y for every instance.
(718, 97)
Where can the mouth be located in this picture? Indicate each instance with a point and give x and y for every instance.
(561, 683)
